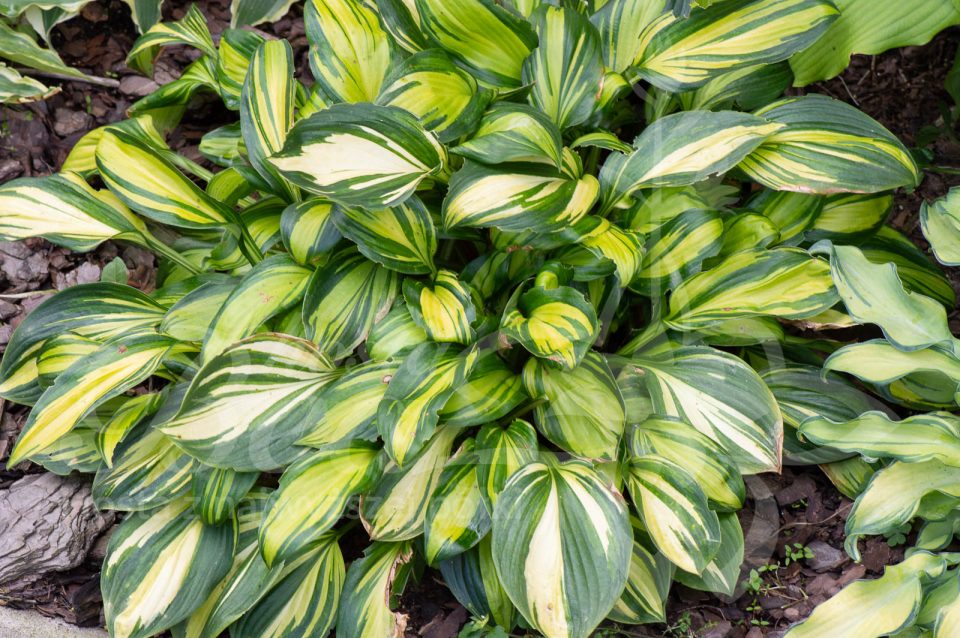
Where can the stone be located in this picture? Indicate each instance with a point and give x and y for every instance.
(47, 523)
(67, 122)
(138, 85)
(825, 557)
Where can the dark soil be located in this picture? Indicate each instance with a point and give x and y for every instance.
(903, 89)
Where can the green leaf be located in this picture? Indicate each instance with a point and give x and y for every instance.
(684, 53)
(445, 98)
(20, 48)
(59, 353)
(520, 198)
(680, 149)
(700, 456)
(244, 13)
(850, 218)
(247, 406)
(827, 146)
(123, 420)
(512, 132)
(676, 250)
(482, 36)
(394, 335)
(624, 248)
(940, 221)
(108, 372)
(191, 30)
(456, 517)
(721, 574)
(645, 597)
(565, 70)
(272, 286)
(190, 318)
(345, 298)
(878, 361)
(402, 20)
(312, 496)
(749, 87)
(397, 506)
(237, 47)
(349, 50)
(218, 492)
(620, 24)
(473, 581)
(874, 608)
(723, 398)
(870, 27)
(365, 607)
(158, 566)
(407, 416)
(557, 324)
(360, 154)
(562, 544)
(917, 272)
(17, 89)
(584, 412)
(675, 512)
(266, 110)
(401, 238)
(873, 293)
(785, 282)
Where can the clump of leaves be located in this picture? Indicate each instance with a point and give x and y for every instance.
(440, 286)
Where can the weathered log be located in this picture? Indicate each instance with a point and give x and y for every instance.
(48, 523)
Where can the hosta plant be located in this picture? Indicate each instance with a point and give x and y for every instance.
(465, 287)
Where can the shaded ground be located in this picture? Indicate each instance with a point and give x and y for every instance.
(903, 89)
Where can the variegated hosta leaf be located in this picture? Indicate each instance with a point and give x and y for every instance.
(445, 97)
(827, 146)
(873, 293)
(874, 608)
(702, 457)
(916, 270)
(747, 231)
(557, 324)
(723, 398)
(247, 406)
(583, 411)
(236, 49)
(312, 496)
(895, 495)
(749, 87)
(253, 12)
(489, 40)
(148, 183)
(148, 470)
(190, 318)
(408, 414)
(371, 581)
(400, 238)
(722, 573)
(396, 507)
(921, 437)
(111, 370)
(622, 247)
(308, 231)
(18, 89)
(791, 213)
(683, 53)
(445, 307)
(491, 391)
(64, 210)
(59, 353)
(349, 50)
(347, 407)
(562, 544)
(941, 226)
(682, 149)
(878, 361)
(272, 286)
(850, 218)
(191, 30)
(360, 154)
(218, 492)
(535, 199)
(473, 581)
(159, 566)
(266, 110)
(620, 24)
(784, 282)
(402, 20)
(675, 512)
(512, 132)
(456, 517)
(394, 335)
(653, 208)
(345, 298)
(503, 451)
(676, 250)
(565, 70)
(645, 598)
(850, 476)
(305, 600)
